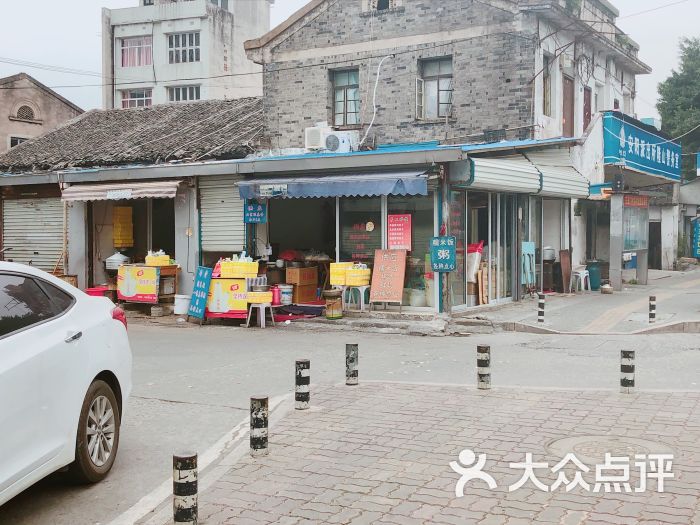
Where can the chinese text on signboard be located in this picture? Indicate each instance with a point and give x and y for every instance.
(399, 232)
(138, 284)
(443, 254)
(388, 276)
(198, 303)
(628, 144)
(255, 212)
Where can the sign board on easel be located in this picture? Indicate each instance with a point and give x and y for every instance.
(200, 293)
(388, 277)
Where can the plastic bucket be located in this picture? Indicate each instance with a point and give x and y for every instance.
(98, 291)
(286, 293)
(182, 304)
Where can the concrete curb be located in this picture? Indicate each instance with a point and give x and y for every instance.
(679, 327)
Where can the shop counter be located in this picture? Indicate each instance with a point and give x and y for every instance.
(138, 283)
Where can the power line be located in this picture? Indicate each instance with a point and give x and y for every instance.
(677, 2)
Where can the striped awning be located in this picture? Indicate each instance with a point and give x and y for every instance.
(166, 189)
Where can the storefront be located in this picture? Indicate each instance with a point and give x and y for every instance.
(641, 166)
(346, 217)
(132, 218)
(511, 215)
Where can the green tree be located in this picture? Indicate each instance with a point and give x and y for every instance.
(679, 103)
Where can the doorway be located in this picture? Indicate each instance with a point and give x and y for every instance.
(655, 246)
(568, 110)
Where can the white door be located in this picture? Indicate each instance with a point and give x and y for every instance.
(31, 339)
(221, 212)
(32, 231)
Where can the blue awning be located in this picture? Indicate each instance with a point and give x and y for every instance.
(340, 185)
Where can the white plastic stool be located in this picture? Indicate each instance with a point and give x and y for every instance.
(262, 310)
(579, 278)
(351, 298)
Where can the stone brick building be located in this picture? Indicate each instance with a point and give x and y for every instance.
(449, 70)
(29, 109)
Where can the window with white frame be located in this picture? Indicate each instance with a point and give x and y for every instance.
(137, 98)
(380, 5)
(434, 89)
(183, 47)
(346, 97)
(137, 51)
(183, 93)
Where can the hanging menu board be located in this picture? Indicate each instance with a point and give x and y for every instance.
(399, 232)
(388, 276)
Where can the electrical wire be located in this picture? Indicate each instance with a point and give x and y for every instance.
(374, 99)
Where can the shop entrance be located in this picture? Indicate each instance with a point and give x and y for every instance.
(303, 225)
(133, 228)
(485, 226)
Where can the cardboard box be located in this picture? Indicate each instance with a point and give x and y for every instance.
(302, 276)
(304, 293)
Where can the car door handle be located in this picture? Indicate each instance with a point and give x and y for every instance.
(74, 337)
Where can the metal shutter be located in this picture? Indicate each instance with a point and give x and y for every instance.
(221, 212)
(559, 177)
(33, 228)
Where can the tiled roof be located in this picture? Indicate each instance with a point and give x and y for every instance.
(211, 129)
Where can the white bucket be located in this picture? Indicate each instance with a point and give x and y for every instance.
(182, 304)
(286, 293)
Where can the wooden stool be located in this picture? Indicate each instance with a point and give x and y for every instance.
(262, 307)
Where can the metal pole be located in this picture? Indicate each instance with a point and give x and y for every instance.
(301, 385)
(483, 367)
(627, 371)
(259, 413)
(652, 309)
(185, 488)
(540, 307)
(352, 356)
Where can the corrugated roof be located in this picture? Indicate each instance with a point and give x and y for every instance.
(126, 190)
(211, 129)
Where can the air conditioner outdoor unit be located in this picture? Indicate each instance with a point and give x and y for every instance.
(325, 139)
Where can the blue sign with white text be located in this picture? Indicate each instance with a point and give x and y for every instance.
(443, 254)
(200, 294)
(255, 212)
(628, 144)
(696, 239)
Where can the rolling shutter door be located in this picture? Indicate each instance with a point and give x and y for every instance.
(33, 229)
(513, 173)
(222, 226)
(559, 177)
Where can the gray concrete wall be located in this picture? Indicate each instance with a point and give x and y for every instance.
(77, 242)
(669, 236)
(493, 60)
(49, 111)
(186, 236)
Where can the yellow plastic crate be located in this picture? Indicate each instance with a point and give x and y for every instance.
(259, 297)
(338, 273)
(356, 277)
(158, 260)
(238, 269)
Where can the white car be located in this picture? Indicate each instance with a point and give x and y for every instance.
(65, 375)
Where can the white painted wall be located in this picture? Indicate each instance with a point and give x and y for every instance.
(77, 242)
(578, 237)
(186, 236)
(669, 236)
(222, 34)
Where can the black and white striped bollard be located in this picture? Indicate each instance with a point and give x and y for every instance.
(483, 367)
(540, 308)
(352, 356)
(301, 384)
(627, 371)
(259, 414)
(652, 309)
(185, 488)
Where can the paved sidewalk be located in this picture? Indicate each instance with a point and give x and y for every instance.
(380, 453)
(678, 301)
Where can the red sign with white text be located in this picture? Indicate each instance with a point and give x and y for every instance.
(399, 232)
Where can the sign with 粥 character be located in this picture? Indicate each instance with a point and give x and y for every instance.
(255, 212)
(443, 254)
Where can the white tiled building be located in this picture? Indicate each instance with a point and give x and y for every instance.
(180, 50)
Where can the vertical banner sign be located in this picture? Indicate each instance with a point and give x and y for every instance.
(696, 238)
(443, 254)
(198, 303)
(399, 232)
(255, 212)
(388, 276)
(138, 284)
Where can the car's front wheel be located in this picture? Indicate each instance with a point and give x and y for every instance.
(98, 435)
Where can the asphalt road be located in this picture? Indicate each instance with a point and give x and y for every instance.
(191, 387)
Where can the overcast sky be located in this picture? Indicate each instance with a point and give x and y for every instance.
(67, 34)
